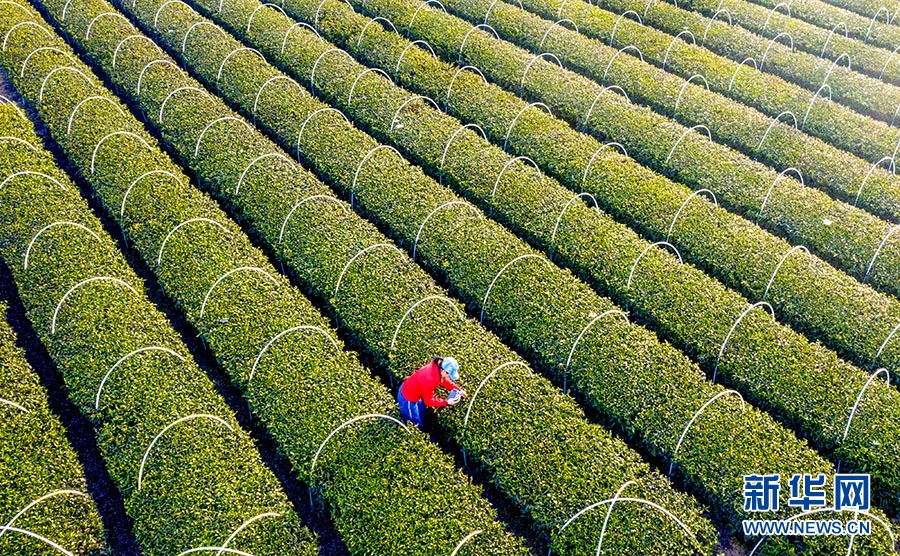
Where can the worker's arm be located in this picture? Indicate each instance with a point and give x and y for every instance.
(433, 401)
(450, 385)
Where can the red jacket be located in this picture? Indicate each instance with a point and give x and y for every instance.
(422, 384)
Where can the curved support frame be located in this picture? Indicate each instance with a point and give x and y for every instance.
(712, 20)
(195, 25)
(221, 278)
(360, 253)
(243, 526)
(46, 49)
(684, 204)
(52, 225)
(647, 250)
(884, 344)
(563, 212)
(487, 14)
(887, 380)
(54, 71)
(587, 116)
(139, 178)
(616, 55)
(214, 122)
(464, 540)
(130, 37)
(261, 6)
(450, 141)
(160, 9)
(483, 78)
(683, 135)
(55, 493)
(191, 417)
(312, 74)
(363, 162)
(282, 334)
(552, 25)
(218, 549)
(237, 50)
(772, 42)
(114, 134)
(503, 170)
(19, 141)
(415, 13)
(780, 263)
(5, 100)
(448, 204)
(37, 537)
(90, 98)
(813, 101)
(869, 175)
(522, 111)
(443, 298)
(534, 59)
(781, 176)
(772, 124)
(887, 20)
(737, 69)
(173, 92)
(31, 173)
(587, 168)
(259, 158)
(734, 327)
(694, 418)
(684, 86)
(375, 19)
(310, 117)
(22, 24)
(616, 497)
(610, 312)
(319, 10)
(178, 226)
(874, 257)
(405, 50)
(359, 76)
(4, 401)
(294, 26)
(149, 65)
(834, 65)
(85, 282)
(846, 36)
(612, 35)
(87, 35)
(262, 88)
(481, 385)
(462, 45)
(502, 270)
(396, 118)
(303, 201)
(772, 12)
(125, 358)
(891, 57)
(675, 39)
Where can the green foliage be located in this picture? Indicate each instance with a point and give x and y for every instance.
(36, 459)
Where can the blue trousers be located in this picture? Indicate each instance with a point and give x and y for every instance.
(412, 411)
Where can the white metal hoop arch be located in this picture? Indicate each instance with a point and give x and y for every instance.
(13, 404)
(243, 526)
(734, 326)
(684, 86)
(294, 26)
(284, 333)
(685, 134)
(16, 4)
(675, 40)
(37, 537)
(478, 27)
(874, 257)
(694, 418)
(737, 69)
(421, 5)
(884, 344)
(23, 24)
(587, 116)
(891, 57)
(587, 168)
(409, 311)
(405, 50)
(487, 14)
(448, 204)
(221, 278)
(259, 158)
(160, 9)
(784, 174)
(218, 549)
(612, 35)
(616, 55)
(481, 385)
(427, 99)
(319, 10)
(772, 124)
(772, 42)
(604, 314)
(887, 381)
(522, 111)
(846, 36)
(194, 26)
(712, 20)
(140, 139)
(464, 540)
(53, 72)
(149, 65)
(51, 226)
(360, 253)
(345, 424)
(813, 101)
(87, 35)
(563, 212)
(178, 227)
(509, 163)
(887, 19)
(214, 122)
(138, 179)
(43, 49)
(191, 417)
(644, 252)
(360, 75)
(483, 78)
(869, 175)
(261, 6)
(237, 50)
(785, 5)
(176, 91)
(784, 258)
(834, 65)
(304, 201)
(129, 38)
(893, 118)
(372, 21)
(262, 88)
(502, 270)
(5, 100)
(18, 141)
(459, 130)
(83, 102)
(534, 59)
(126, 357)
(55, 493)
(310, 117)
(31, 173)
(609, 510)
(684, 204)
(552, 25)
(81, 284)
(363, 162)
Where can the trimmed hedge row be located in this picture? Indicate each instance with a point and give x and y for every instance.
(555, 305)
(865, 8)
(203, 478)
(36, 460)
(302, 388)
(690, 308)
(551, 466)
(843, 235)
(838, 173)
